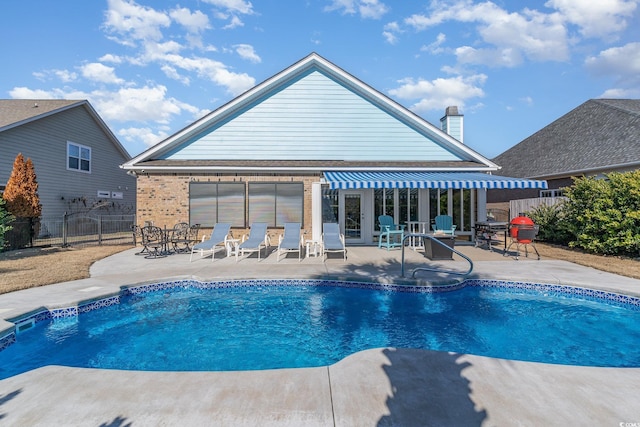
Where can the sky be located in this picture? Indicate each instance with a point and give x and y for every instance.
(152, 67)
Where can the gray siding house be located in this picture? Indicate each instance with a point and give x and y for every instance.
(314, 144)
(597, 137)
(75, 156)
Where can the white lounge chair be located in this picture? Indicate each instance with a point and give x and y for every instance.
(332, 240)
(218, 240)
(258, 239)
(290, 240)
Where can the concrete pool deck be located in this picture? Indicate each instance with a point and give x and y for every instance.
(377, 387)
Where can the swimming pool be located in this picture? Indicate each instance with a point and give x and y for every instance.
(248, 325)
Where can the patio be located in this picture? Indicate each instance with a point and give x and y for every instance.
(373, 387)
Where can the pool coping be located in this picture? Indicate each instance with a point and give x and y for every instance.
(373, 387)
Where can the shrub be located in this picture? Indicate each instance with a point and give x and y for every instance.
(552, 225)
(603, 215)
(5, 219)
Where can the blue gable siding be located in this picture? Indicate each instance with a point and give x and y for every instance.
(312, 117)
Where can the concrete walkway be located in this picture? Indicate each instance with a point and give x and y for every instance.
(377, 387)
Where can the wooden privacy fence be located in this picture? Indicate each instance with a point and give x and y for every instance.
(522, 206)
(71, 230)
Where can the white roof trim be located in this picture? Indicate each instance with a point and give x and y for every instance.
(157, 169)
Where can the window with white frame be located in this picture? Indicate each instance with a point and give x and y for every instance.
(552, 193)
(78, 157)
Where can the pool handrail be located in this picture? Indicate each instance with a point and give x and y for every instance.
(438, 270)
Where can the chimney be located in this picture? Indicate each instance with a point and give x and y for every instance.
(453, 123)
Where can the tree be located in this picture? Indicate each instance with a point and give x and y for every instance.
(21, 193)
(5, 219)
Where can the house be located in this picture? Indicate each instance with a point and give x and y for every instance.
(75, 156)
(314, 144)
(598, 137)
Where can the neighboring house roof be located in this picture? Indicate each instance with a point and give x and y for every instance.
(311, 116)
(17, 112)
(598, 136)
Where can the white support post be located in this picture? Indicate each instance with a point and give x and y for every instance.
(316, 211)
(482, 204)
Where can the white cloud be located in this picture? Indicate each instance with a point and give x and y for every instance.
(235, 6)
(622, 60)
(527, 100)
(439, 93)
(632, 93)
(98, 72)
(507, 37)
(114, 59)
(195, 22)
(145, 104)
(26, 93)
(596, 18)
(234, 23)
(247, 52)
(129, 20)
(371, 9)
(507, 57)
(436, 46)
(390, 32)
(158, 51)
(64, 76)
(215, 71)
(145, 135)
(172, 73)
(348, 6)
(230, 9)
(622, 63)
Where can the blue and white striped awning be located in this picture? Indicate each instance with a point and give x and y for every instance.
(455, 180)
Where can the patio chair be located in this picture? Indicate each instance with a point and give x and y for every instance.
(154, 240)
(290, 240)
(444, 224)
(258, 239)
(136, 230)
(391, 234)
(217, 240)
(183, 236)
(332, 240)
(179, 238)
(525, 236)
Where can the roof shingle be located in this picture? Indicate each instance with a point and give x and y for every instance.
(598, 134)
(13, 111)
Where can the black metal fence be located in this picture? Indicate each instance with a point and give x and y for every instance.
(70, 230)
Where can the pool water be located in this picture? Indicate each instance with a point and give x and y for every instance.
(248, 328)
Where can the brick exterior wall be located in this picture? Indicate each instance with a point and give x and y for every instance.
(163, 199)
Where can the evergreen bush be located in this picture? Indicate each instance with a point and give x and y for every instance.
(603, 215)
(5, 220)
